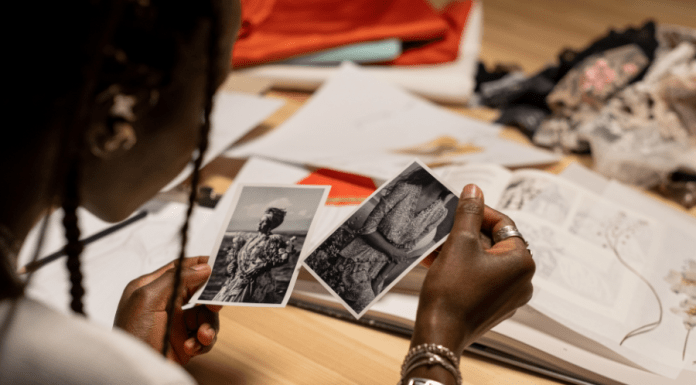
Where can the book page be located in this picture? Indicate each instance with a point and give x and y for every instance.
(490, 178)
(594, 262)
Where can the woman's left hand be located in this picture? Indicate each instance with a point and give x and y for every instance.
(142, 311)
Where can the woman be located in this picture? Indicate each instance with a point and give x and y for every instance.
(111, 101)
(249, 259)
(405, 219)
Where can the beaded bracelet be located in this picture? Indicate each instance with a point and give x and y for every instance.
(432, 359)
(432, 348)
(422, 381)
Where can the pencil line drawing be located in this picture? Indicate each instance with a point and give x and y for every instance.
(621, 230)
(544, 198)
(557, 265)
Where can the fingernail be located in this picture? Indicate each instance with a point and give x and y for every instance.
(471, 191)
(190, 344)
(202, 266)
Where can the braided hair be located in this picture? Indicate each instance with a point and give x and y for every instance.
(202, 147)
(127, 45)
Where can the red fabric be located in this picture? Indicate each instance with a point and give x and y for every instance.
(346, 189)
(445, 50)
(274, 30)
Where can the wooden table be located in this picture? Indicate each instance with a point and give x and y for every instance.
(293, 346)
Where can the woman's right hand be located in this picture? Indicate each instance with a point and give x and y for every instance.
(471, 287)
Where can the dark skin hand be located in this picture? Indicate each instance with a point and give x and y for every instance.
(470, 286)
(142, 311)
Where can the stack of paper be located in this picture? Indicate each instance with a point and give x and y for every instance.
(359, 124)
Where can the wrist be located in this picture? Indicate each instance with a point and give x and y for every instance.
(438, 327)
(431, 361)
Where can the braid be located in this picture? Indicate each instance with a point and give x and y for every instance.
(73, 141)
(202, 147)
(72, 235)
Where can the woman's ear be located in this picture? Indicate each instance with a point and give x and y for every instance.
(115, 133)
(106, 142)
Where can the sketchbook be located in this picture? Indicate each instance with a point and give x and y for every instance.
(612, 301)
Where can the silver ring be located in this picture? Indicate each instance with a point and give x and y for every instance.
(507, 232)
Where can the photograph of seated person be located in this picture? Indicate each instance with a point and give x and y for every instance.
(111, 98)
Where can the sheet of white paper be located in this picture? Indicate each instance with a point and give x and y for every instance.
(111, 262)
(583, 176)
(359, 124)
(234, 114)
(490, 178)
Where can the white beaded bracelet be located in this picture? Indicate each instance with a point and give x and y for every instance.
(423, 381)
(431, 354)
(432, 348)
(433, 359)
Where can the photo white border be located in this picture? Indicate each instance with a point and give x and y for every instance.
(407, 270)
(218, 242)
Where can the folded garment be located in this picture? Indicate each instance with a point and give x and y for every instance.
(446, 49)
(274, 30)
(447, 83)
(368, 52)
(534, 90)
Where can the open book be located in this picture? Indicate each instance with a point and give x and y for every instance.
(608, 305)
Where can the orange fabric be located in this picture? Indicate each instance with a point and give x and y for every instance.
(346, 189)
(445, 50)
(274, 30)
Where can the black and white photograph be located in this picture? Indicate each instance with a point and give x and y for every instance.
(257, 254)
(387, 235)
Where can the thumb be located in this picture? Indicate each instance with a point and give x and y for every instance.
(193, 277)
(468, 219)
(160, 290)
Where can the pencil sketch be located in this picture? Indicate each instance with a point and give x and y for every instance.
(540, 196)
(558, 264)
(605, 225)
(257, 257)
(625, 235)
(384, 238)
